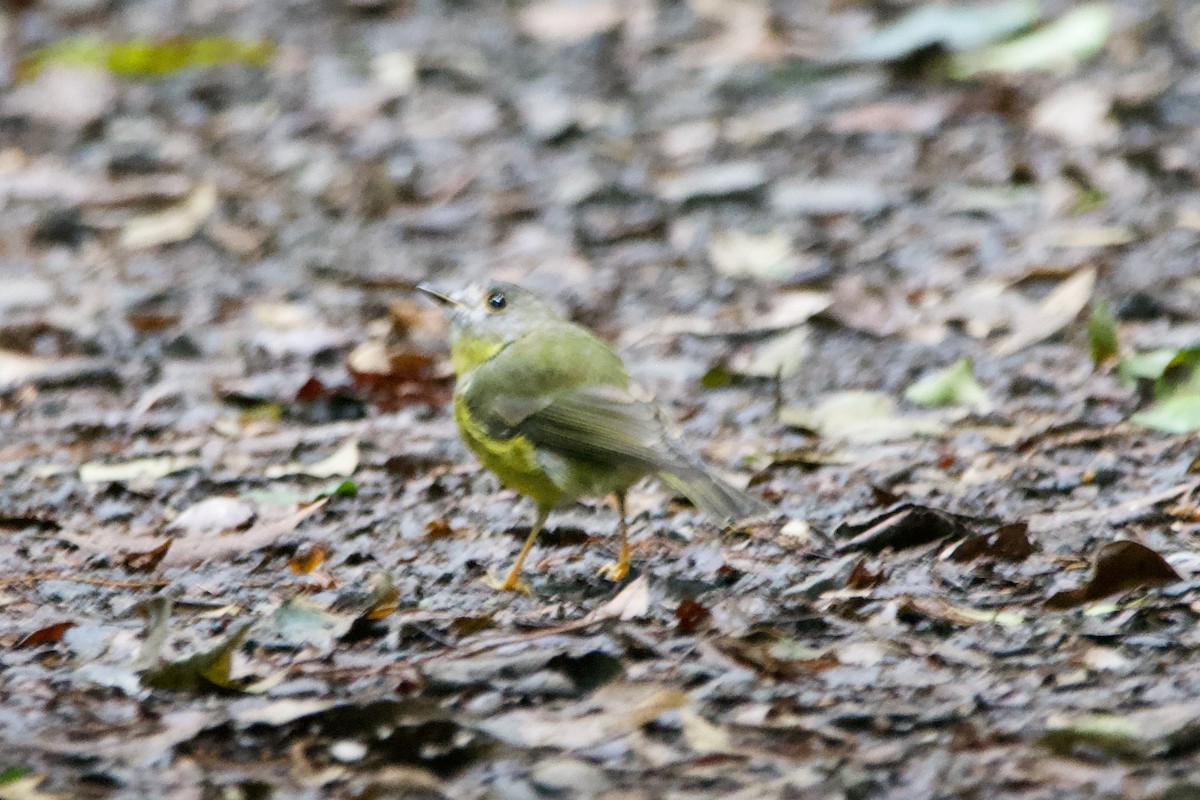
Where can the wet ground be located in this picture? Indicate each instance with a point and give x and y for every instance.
(241, 546)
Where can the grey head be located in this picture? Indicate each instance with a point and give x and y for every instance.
(492, 313)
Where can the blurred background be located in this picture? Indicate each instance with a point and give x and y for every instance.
(908, 268)
(200, 178)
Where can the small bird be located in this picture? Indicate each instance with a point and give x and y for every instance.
(550, 409)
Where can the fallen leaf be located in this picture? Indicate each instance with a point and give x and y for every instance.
(398, 379)
(275, 713)
(26, 787)
(265, 532)
(778, 658)
(1119, 567)
(148, 560)
(1057, 309)
(138, 469)
(823, 197)
(613, 711)
(860, 417)
(214, 515)
(631, 602)
(862, 578)
(779, 356)
(767, 256)
(172, 224)
(690, 615)
(566, 23)
(1178, 414)
(1057, 47)
(714, 182)
(385, 598)
(145, 58)
(16, 368)
(341, 463)
(789, 309)
(955, 27)
(909, 525)
(1138, 736)
(51, 634)
(1102, 334)
(906, 117)
(1089, 236)
(959, 615)
(67, 96)
(301, 621)
(1008, 543)
(701, 735)
(206, 670)
(308, 558)
(953, 386)
(1078, 115)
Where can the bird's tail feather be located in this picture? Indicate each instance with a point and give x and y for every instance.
(711, 494)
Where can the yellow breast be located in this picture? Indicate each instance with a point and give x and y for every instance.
(513, 460)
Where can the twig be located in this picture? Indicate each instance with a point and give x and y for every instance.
(114, 583)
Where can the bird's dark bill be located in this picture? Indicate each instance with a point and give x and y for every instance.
(441, 297)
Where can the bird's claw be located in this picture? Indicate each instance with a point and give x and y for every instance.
(616, 572)
(512, 583)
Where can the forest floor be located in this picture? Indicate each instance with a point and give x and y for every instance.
(241, 545)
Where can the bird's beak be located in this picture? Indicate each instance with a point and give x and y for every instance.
(441, 297)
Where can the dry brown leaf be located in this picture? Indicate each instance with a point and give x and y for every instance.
(613, 711)
(630, 603)
(1057, 309)
(566, 23)
(173, 224)
(265, 532)
(1120, 566)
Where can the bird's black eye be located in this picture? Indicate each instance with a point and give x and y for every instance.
(497, 301)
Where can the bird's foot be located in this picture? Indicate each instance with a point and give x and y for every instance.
(617, 571)
(512, 583)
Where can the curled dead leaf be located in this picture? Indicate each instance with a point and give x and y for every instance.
(308, 558)
(146, 561)
(1120, 566)
(51, 634)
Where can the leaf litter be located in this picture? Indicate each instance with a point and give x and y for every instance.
(991, 597)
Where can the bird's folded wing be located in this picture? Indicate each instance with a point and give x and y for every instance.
(596, 423)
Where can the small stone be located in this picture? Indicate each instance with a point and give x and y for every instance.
(823, 197)
(716, 182)
(67, 97)
(348, 751)
(547, 112)
(569, 777)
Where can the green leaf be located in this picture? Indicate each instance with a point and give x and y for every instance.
(1102, 334)
(1177, 414)
(717, 378)
(204, 671)
(955, 27)
(145, 58)
(1116, 735)
(346, 488)
(302, 622)
(953, 386)
(290, 496)
(1064, 43)
(1149, 365)
(860, 417)
(10, 774)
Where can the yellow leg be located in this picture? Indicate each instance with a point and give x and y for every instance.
(617, 570)
(513, 582)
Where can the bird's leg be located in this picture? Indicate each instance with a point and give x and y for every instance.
(617, 570)
(513, 582)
